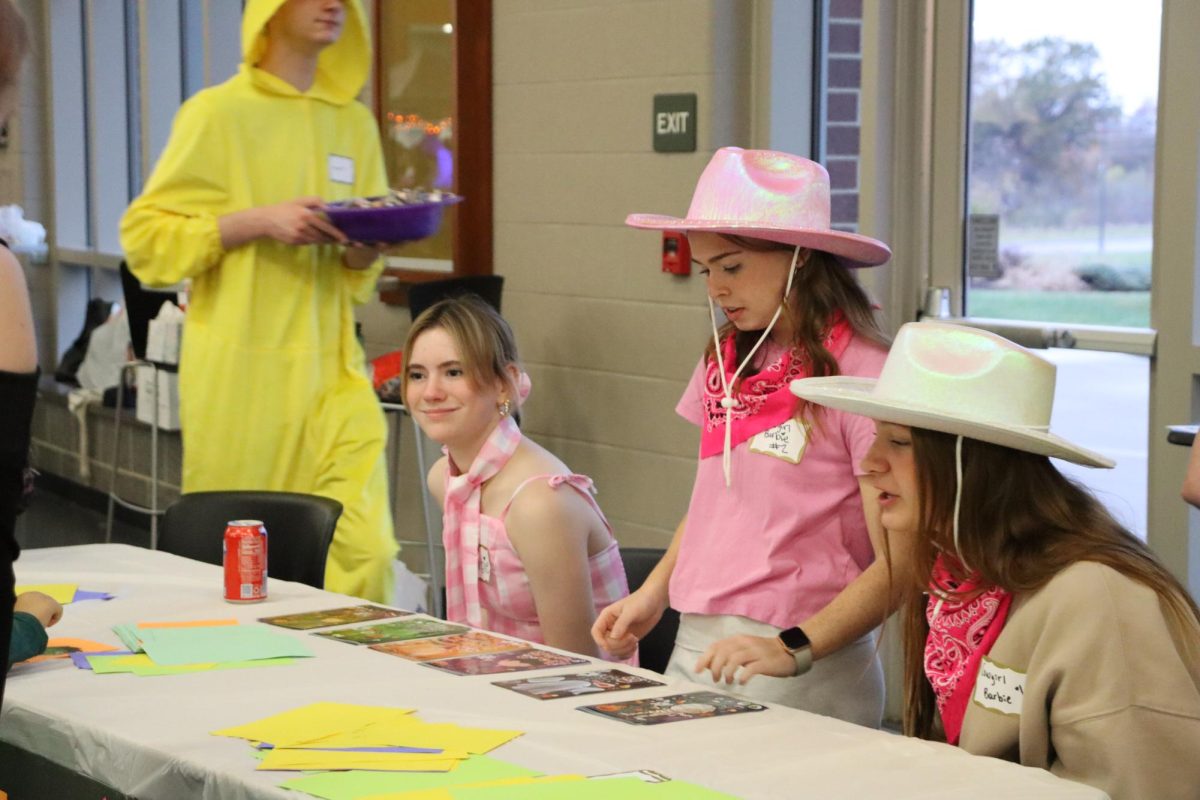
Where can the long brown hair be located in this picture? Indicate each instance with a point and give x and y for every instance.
(484, 339)
(821, 287)
(1021, 522)
(14, 44)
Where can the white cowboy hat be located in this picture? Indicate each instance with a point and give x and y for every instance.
(769, 195)
(958, 380)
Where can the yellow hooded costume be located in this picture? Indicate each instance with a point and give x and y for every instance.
(273, 391)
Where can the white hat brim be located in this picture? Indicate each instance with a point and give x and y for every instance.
(855, 395)
(855, 250)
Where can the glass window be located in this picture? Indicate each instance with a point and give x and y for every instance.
(417, 96)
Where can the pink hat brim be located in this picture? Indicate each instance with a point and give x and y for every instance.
(853, 249)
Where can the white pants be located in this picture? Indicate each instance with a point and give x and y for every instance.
(847, 684)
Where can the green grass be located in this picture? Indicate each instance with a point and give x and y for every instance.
(1096, 308)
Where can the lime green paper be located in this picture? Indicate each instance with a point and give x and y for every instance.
(351, 785)
(606, 789)
(225, 643)
(142, 665)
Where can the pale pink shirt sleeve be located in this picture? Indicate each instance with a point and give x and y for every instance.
(865, 361)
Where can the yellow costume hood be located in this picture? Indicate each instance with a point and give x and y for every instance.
(342, 68)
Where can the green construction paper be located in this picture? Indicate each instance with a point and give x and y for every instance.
(624, 788)
(354, 784)
(128, 634)
(180, 669)
(219, 644)
(104, 665)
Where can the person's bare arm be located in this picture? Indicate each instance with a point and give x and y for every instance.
(621, 625)
(1191, 480)
(549, 530)
(295, 222)
(18, 346)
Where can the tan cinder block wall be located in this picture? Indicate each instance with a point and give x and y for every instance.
(608, 339)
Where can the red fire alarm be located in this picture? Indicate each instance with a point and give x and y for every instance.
(676, 254)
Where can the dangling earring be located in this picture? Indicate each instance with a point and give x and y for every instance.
(505, 407)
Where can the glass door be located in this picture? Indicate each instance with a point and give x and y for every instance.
(1061, 123)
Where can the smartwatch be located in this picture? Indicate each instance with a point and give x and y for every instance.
(795, 641)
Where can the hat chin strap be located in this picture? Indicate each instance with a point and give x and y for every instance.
(727, 401)
(958, 440)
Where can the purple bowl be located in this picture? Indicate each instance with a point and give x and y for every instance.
(393, 224)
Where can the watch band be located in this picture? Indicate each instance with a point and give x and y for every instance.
(796, 643)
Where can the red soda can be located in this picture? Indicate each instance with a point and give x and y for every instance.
(245, 550)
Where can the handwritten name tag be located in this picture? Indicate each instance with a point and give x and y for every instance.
(999, 688)
(784, 441)
(341, 169)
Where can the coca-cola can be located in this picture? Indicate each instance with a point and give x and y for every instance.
(245, 550)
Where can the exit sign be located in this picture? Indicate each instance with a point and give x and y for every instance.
(674, 123)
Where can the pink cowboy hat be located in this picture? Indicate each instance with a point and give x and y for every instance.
(768, 195)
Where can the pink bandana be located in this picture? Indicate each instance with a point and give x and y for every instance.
(960, 634)
(460, 520)
(762, 400)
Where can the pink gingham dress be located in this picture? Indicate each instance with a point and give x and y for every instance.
(486, 584)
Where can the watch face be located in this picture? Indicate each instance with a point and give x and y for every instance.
(793, 639)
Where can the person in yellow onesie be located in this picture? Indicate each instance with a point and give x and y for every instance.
(273, 389)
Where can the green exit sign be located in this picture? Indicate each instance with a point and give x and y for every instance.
(674, 123)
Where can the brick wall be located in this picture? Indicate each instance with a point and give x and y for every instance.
(840, 125)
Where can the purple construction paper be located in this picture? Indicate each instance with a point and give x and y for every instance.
(266, 746)
(83, 594)
(81, 661)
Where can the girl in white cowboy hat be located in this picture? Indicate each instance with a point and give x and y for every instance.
(1039, 630)
(528, 551)
(775, 541)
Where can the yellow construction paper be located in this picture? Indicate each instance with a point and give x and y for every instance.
(189, 623)
(62, 592)
(413, 732)
(447, 793)
(281, 759)
(313, 722)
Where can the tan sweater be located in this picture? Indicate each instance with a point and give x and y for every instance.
(1110, 697)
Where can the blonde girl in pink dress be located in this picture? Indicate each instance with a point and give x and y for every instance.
(528, 551)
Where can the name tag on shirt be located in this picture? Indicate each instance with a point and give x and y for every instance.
(999, 688)
(786, 441)
(485, 565)
(341, 169)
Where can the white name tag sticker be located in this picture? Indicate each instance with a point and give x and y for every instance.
(999, 688)
(485, 565)
(784, 441)
(341, 169)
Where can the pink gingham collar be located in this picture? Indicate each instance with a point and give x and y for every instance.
(461, 512)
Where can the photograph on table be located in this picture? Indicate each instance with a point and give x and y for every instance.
(674, 708)
(506, 661)
(455, 646)
(552, 687)
(329, 617)
(398, 631)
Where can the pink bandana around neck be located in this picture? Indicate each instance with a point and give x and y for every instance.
(460, 520)
(961, 633)
(762, 400)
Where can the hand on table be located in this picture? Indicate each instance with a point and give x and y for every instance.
(299, 222)
(45, 608)
(622, 625)
(744, 657)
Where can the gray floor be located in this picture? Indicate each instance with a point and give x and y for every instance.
(54, 521)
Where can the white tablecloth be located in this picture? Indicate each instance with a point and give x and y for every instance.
(149, 737)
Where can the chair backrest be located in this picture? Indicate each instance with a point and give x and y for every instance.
(141, 306)
(654, 651)
(422, 295)
(299, 529)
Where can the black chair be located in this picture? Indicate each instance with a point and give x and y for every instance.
(422, 295)
(299, 529)
(654, 651)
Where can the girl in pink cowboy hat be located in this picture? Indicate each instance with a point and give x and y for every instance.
(1037, 629)
(776, 542)
(528, 551)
